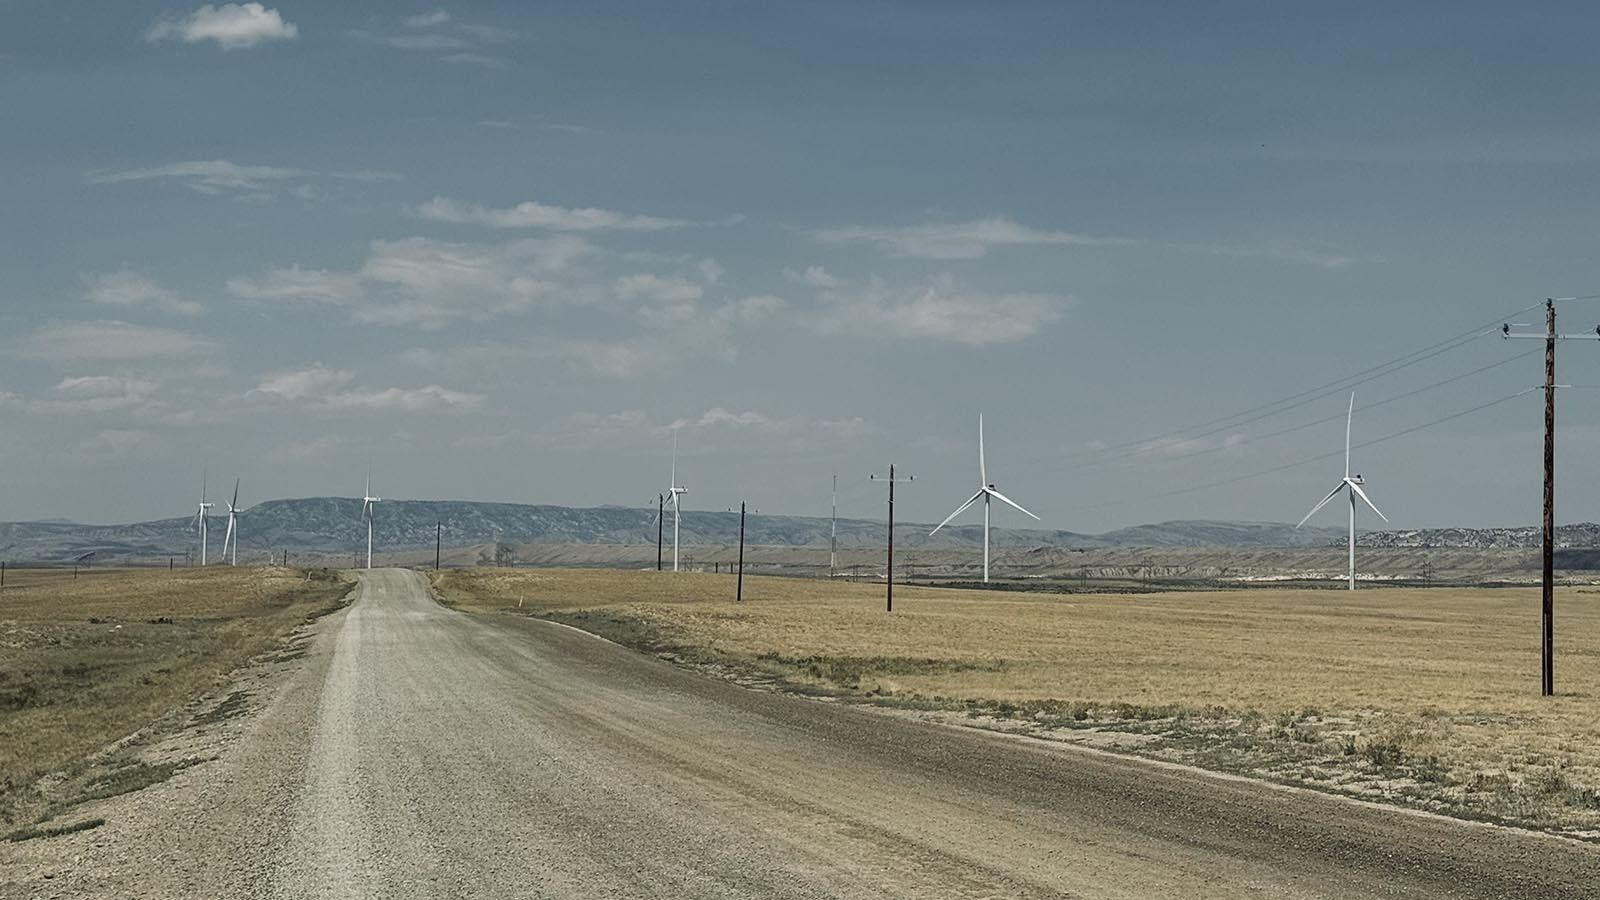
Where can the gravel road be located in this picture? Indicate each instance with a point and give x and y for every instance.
(420, 752)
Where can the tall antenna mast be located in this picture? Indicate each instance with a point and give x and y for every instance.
(833, 530)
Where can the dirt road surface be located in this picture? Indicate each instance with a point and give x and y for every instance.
(419, 752)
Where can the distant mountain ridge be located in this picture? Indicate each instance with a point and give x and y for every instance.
(332, 526)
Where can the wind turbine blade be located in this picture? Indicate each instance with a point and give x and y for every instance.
(1004, 499)
(959, 510)
(1331, 494)
(1349, 417)
(235, 494)
(1363, 495)
(672, 482)
(983, 469)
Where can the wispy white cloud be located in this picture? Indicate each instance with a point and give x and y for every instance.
(431, 398)
(321, 389)
(958, 240)
(630, 428)
(87, 395)
(439, 32)
(1281, 251)
(974, 239)
(475, 59)
(415, 41)
(427, 20)
(427, 283)
(233, 26)
(1178, 448)
(223, 177)
(658, 288)
(488, 34)
(110, 340)
(670, 342)
(296, 284)
(509, 125)
(530, 214)
(114, 443)
(940, 310)
(421, 281)
(132, 289)
(312, 382)
(812, 276)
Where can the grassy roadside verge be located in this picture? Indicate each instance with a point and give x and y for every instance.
(88, 661)
(1424, 698)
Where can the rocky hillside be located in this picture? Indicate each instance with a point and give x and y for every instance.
(332, 526)
(1582, 535)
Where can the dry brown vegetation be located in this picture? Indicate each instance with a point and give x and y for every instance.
(1422, 696)
(88, 660)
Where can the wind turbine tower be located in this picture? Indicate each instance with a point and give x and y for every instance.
(986, 492)
(369, 505)
(231, 540)
(1352, 484)
(675, 489)
(200, 517)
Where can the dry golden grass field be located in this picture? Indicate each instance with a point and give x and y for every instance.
(88, 660)
(1427, 697)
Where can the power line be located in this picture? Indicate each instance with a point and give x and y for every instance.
(1307, 461)
(1296, 400)
(1303, 426)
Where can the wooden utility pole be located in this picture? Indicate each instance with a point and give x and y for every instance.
(738, 595)
(888, 573)
(438, 543)
(1548, 596)
(1547, 648)
(661, 521)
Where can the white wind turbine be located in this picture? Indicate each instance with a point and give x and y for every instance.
(986, 492)
(231, 540)
(368, 507)
(1353, 483)
(674, 488)
(200, 517)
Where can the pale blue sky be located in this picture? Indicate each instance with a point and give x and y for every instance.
(502, 248)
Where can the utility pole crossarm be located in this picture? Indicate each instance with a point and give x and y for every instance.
(1507, 334)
